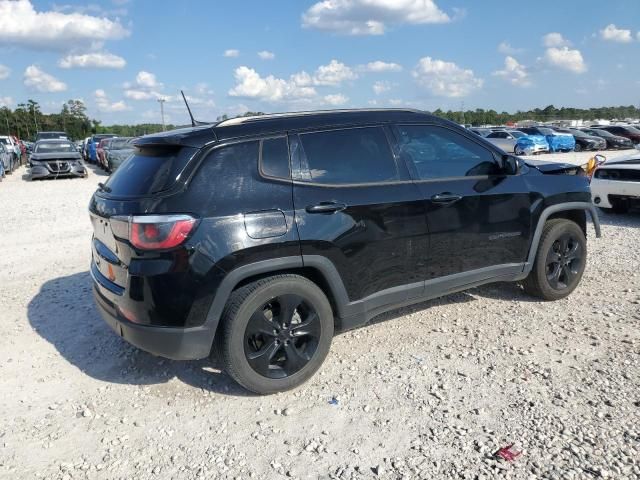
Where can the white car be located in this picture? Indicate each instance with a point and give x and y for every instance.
(615, 185)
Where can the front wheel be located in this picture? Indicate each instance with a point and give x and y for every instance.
(518, 151)
(560, 261)
(275, 333)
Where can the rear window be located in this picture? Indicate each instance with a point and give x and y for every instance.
(51, 147)
(149, 170)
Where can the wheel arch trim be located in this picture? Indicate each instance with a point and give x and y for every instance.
(546, 213)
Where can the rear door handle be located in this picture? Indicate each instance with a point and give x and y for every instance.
(445, 198)
(326, 207)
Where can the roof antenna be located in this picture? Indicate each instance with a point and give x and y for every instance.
(193, 120)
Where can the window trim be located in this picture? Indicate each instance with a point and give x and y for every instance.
(394, 129)
(261, 170)
(302, 168)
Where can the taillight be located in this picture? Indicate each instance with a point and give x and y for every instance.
(154, 232)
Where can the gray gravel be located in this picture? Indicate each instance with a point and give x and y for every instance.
(432, 393)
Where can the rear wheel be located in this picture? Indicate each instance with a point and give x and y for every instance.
(275, 333)
(577, 148)
(560, 261)
(518, 151)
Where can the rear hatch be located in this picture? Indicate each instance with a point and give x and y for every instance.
(134, 189)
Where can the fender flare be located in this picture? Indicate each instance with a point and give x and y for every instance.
(276, 265)
(546, 213)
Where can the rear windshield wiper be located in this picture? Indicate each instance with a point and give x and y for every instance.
(103, 187)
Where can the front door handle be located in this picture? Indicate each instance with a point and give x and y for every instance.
(445, 198)
(326, 207)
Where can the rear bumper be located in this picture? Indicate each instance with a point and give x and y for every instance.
(169, 342)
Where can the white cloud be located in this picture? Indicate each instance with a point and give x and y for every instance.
(6, 101)
(565, 58)
(231, 53)
(379, 66)
(370, 17)
(613, 34)
(336, 99)
(333, 74)
(381, 87)
(92, 60)
(249, 84)
(555, 39)
(146, 87)
(104, 105)
(514, 72)
(445, 79)
(22, 25)
(40, 81)
(506, 49)
(4, 72)
(266, 55)
(147, 80)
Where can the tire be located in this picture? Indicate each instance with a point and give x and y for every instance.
(255, 320)
(577, 148)
(551, 278)
(517, 150)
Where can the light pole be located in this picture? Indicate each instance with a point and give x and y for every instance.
(161, 102)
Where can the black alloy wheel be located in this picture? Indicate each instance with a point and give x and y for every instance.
(282, 336)
(564, 261)
(275, 333)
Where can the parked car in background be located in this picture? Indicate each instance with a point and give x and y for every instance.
(615, 184)
(100, 161)
(207, 235)
(55, 158)
(13, 150)
(482, 132)
(116, 151)
(558, 142)
(583, 140)
(614, 142)
(93, 146)
(6, 159)
(51, 136)
(626, 131)
(515, 141)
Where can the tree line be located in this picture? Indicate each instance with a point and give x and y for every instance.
(27, 119)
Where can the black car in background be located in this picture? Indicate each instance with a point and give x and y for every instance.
(265, 235)
(614, 142)
(626, 131)
(583, 140)
(54, 159)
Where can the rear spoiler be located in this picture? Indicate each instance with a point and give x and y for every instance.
(195, 137)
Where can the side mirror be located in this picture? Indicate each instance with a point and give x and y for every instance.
(510, 165)
(600, 159)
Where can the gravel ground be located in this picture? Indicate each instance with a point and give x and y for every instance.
(432, 393)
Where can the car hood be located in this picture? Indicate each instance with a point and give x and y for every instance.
(43, 157)
(630, 161)
(553, 167)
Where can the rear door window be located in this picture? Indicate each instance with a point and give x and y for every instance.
(348, 156)
(274, 157)
(149, 170)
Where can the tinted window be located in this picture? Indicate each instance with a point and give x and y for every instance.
(498, 135)
(274, 158)
(436, 152)
(149, 170)
(355, 155)
(226, 174)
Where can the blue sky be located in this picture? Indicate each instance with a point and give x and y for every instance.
(120, 56)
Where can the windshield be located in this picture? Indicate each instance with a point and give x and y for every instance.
(546, 131)
(578, 133)
(51, 147)
(60, 135)
(120, 144)
(516, 133)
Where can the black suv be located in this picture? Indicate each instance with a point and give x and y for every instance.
(258, 238)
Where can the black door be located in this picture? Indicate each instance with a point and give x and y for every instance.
(478, 218)
(357, 206)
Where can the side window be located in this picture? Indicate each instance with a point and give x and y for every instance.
(354, 155)
(437, 152)
(226, 173)
(274, 157)
(498, 135)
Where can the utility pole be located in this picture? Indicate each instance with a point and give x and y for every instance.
(161, 102)
(35, 119)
